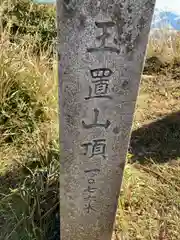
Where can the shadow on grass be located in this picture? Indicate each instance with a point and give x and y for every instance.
(159, 141)
(29, 199)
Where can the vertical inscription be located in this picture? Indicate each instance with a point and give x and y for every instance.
(100, 79)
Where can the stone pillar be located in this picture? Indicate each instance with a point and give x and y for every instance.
(102, 46)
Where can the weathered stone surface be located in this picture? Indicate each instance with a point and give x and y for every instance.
(102, 46)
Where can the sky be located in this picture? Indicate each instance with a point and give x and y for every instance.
(173, 5)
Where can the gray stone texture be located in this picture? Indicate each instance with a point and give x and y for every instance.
(102, 46)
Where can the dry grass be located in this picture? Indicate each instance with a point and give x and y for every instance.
(166, 46)
(28, 99)
(29, 158)
(149, 207)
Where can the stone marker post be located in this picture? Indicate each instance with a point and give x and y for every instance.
(102, 47)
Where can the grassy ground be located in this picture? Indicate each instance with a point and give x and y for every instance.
(149, 206)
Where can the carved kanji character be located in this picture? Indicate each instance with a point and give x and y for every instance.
(95, 122)
(103, 37)
(100, 86)
(94, 148)
(89, 207)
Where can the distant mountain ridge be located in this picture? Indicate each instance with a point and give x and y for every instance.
(166, 19)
